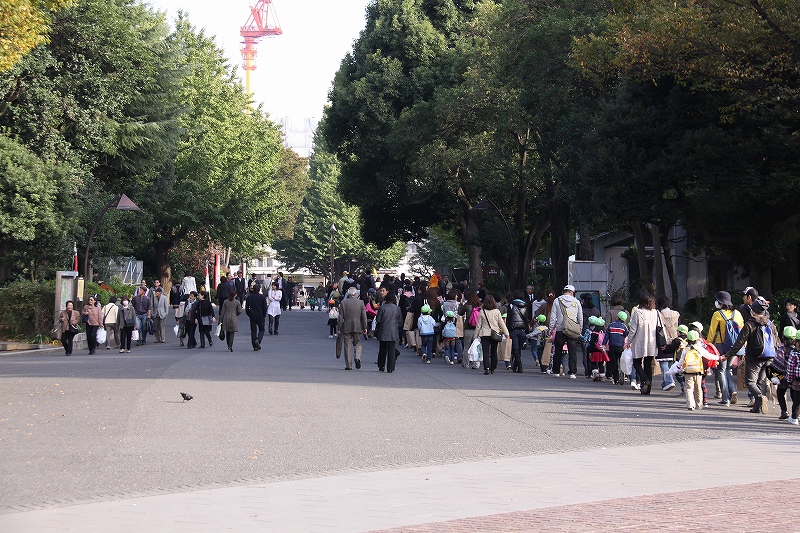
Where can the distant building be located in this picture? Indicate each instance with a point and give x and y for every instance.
(298, 134)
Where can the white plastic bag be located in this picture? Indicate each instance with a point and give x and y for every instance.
(626, 361)
(675, 368)
(135, 335)
(101, 336)
(176, 329)
(219, 328)
(475, 352)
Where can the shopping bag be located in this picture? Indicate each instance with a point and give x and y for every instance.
(219, 329)
(177, 330)
(101, 335)
(475, 352)
(135, 335)
(626, 361)
(547, 352)
(674, 369)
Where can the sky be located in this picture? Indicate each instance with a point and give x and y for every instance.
(294, 71)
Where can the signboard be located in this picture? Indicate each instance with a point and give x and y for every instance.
(66, 289)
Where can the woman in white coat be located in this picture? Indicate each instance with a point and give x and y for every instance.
(490, 319)
(642, 339)
(274, 296)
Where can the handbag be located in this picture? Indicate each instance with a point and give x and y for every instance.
(85, 319)
(496, 335)
(73, 329)
(661, 338)
(205, 320)
(475, 351)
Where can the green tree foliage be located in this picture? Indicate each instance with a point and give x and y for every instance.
(322, 206)
(23, 25)
(36, 206)
(441, 247)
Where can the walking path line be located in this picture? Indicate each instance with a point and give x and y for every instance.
(395, 498)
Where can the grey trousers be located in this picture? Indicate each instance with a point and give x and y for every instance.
(351, 341)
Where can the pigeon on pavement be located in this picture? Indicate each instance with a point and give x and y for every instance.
(186, 397)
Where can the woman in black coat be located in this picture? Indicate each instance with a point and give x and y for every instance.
(388, 322)
(204, 318)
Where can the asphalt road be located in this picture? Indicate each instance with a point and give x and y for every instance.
(88, 428)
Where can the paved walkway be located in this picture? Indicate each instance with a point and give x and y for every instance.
(589, 490)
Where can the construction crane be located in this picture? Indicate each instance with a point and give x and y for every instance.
(262, 23)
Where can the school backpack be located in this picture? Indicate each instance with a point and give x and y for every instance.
(768, 350)
(571, 328)
(333, 313)
(449, 331)
(598, 345)
(473, 317)
(731, 332)
(692, 362)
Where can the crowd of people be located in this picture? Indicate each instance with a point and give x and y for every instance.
(742, 349)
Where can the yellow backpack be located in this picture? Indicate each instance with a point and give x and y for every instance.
(692, 362)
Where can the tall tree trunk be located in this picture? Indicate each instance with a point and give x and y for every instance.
(585, 250)
(761, 279)
(641, 254)
(658, 261)
(668, 261)
(559, 242)
(163, 252)
(469, 231)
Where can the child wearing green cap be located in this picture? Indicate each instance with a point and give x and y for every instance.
(614, 341)
(777, 369)
(538, 338)
(691, 364)
(793, 377)
(598, 356)
(449, 337)
(426, 325)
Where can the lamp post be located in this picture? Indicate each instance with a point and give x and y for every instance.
(333, 233)
(123, 204)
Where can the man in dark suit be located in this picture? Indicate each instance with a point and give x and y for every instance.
(223, 290)
(240, 284)
(257, 312)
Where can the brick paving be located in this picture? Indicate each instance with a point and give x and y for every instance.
(729, 509)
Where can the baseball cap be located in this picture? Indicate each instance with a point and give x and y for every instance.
(683, 329)
(692, 336)
(569, 288)
(759, 306)
(622, 315)
(751, 291)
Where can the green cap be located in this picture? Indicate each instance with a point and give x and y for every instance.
(692, 336)
(426, 309)
(541, 318)
(683, 329)
(798, 335)
(597, 321)
(449, 314)
(622, 315)
(790, 332)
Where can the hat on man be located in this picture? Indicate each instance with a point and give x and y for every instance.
(760, 306)
(750, 291)
(724, 298)
(570, 288)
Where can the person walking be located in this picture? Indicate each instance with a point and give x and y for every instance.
(387, 330)
(240, 284)
(190, 320)
(352, 324)
(670, 319)
(566, 318)
(126, 320)
(762, 345)
(256, 304)
(175, 299)
(229, 317)
(642, 339)
(110, 312)
(143, 307)
(725, 319)
(160, 312)
(93, 316)
(274, 300)
(204, 318)
(517, 322)
(223, 290)
(68, 318)
(320, 295)
(490, 325)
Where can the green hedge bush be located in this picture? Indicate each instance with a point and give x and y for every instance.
(27, 310)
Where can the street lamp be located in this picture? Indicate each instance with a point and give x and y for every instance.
(123, 204)
(333, 233)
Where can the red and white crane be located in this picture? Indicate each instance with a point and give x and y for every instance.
(262, 23)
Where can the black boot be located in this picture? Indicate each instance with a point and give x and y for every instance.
(757, 405)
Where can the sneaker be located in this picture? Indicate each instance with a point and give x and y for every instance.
(784, 415)
(734, 397)
(549, 371)
(634, 385)
(669, 386)
(572, 376)
(450, 361)
(751, 403)
(691, 408)
(358, 364)
(726, 404)
(330, 336)
(447, 360)
(595, 374)
(718, 395)
(794, 421)
(428, 361)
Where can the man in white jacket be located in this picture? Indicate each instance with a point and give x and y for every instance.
(568, 305)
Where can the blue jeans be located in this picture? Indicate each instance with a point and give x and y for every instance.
(667, 379)
(427, 346)
(450, 349)
(141, 325)
(725, 380)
